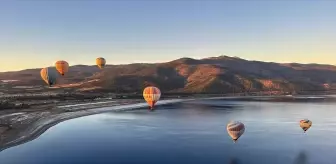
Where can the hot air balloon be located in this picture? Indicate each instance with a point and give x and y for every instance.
(151, 95)
(305, 124)
(62, 67)
(235, 130)
(100, 62)
(49, 75)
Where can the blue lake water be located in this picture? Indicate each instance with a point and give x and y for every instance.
(193, 132)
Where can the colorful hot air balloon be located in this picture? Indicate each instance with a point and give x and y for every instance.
(305, 124)
(235, 130)
(49, 75)
(151, 95)
(62, 67)
(100, 62)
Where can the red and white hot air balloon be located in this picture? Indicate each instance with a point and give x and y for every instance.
(235, 129)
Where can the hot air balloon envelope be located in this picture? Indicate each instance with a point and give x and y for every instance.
(305, 124)
(151, 95)
(100, 62)
(235, 129)
(62, 67)
(49, 75)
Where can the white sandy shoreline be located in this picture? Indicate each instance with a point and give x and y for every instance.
(37, 128)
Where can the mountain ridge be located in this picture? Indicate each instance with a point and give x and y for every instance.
(219, 74)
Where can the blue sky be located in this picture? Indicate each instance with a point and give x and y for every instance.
(37, 33)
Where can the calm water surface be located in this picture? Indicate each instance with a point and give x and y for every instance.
(193, 132)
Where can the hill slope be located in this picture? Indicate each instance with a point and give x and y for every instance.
(211, 75)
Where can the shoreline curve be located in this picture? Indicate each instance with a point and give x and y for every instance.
(42, 125)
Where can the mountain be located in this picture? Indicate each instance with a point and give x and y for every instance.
(220, 74)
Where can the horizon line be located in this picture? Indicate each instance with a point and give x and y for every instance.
(158, 62)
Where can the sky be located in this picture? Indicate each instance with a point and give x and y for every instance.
(36, 33)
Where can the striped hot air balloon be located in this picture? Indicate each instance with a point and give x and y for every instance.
(62, 67)
(151, 95)
(49, 75)
(100, 62)
(305, 124)
(235, 129)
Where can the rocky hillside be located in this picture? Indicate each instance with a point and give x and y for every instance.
(210, 75)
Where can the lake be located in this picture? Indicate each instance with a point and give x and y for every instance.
(189, 132)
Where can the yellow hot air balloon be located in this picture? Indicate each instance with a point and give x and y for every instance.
(62, 67)
(100, 62)
(49, 75)
(305, 124)
(151, 95)
(235, 129)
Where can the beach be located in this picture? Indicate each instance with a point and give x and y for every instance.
(23, 126)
